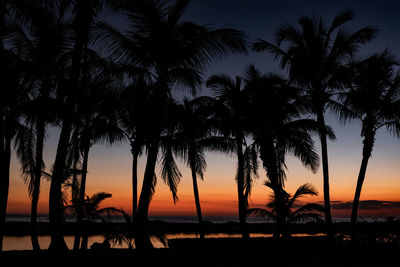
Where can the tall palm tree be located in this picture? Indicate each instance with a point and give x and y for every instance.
(83, 15)
(175, 53)
(278, 129)
(95, 123)
(9, 9)
(288, 207)
(42, 42)
(316, 59)
(132, 109)
(231, 114)
(374, 100)
(193, 136)
(14, 96)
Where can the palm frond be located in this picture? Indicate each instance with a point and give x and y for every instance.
(170, 172)
(261, 213)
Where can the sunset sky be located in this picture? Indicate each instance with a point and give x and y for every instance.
(110, 167)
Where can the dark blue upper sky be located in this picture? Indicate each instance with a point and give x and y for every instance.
(260, 19)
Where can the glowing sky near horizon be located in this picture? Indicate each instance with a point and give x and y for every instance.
(110, 167)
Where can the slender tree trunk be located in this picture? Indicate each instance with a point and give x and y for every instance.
(83, 191)
(240, 184)
(142, 239)
(325, 169)
(135, 155)
(367, 151)
(85, 239)
(55, 196)
(4, 178)
(270, 162)
(40, 127)
(75, 198)
(4, 184)
(196, 195)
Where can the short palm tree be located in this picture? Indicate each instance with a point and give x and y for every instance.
(316, 58)
(92, 212)
(374, 100)
(288, 207)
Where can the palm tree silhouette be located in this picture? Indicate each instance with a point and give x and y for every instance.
(92, 212)
(316, 57)
(14, 99)
(43, 40)
(9, 10)
(192, 137)
(83, 16)
(373, 99)
(174, 53)
(133, 108)
(96, 123)
(288, 207)
(231, 114)
(278, 129)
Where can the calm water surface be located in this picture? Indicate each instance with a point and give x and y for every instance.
(24, 242)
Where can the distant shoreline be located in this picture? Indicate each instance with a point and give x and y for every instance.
(68, 228)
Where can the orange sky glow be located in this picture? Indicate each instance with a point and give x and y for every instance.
(109, 171)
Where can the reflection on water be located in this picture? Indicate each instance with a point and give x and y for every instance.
(24, 242)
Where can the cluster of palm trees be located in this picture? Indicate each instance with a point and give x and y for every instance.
(62, 66)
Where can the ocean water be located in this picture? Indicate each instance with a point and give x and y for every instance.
(178, 219)
(24, 242)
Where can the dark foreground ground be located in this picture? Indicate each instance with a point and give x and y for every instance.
(302, 251)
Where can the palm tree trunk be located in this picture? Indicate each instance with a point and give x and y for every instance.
(268, 156)
(240, 184)
(83, 191)
(325, 169)
(142, 239)
(196, 196)
(55, 196)
(135, 155)
(367, 151)
(4, 184)
(75, 198)
(40, 126)
(4, 178)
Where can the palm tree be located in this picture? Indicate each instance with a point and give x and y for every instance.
(96, 122)
(373, 99)
(14, 96)
(9, 10)
(231, 114)
(132, 109)
(83, 14)
(92, 212)
(316, 59)
(278, 129)
(42, 43)
(192, 138)
(288, 207)
(175, 53)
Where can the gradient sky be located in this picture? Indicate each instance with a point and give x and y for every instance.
(110, 167)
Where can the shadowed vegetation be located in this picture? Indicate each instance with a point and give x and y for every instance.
(62, 66)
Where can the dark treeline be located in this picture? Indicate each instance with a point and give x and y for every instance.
(62, 66)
